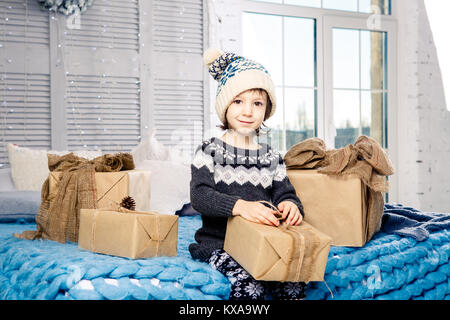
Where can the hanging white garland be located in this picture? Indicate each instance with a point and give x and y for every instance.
(66, 7)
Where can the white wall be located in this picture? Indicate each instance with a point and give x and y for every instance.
(424, 122)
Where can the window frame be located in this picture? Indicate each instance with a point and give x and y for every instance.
(333, 21)
(326, 19)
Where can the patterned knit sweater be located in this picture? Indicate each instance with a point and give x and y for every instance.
(222, 174)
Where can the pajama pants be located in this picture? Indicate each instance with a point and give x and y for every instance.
(245, 287)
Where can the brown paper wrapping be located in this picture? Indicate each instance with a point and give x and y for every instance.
(125, 234)
(112, 187)
(58, 216)
(336, 205)
(293, 253)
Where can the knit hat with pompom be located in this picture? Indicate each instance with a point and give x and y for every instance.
(236, 74)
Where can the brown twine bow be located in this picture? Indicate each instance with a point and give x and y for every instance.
(278, 215)
(285, 227)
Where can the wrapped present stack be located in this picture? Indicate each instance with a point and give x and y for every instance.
(75, 183)
(284, 253)
(103, 204)
(341, 189)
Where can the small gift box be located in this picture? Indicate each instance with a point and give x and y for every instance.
(127, 233)
(284, 253)
(112, 187)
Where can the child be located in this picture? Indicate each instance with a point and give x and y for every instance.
(230, 174)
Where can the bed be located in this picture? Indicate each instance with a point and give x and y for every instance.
(390, 266)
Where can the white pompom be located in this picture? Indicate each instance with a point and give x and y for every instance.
(210, 55)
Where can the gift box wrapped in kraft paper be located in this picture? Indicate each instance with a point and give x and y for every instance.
(76, 183)
(112, 187)
(126, 233)
(341, 190)
(284, 253)
(336, 205)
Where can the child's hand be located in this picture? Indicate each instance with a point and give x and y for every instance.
(290, 210)
(255, 212)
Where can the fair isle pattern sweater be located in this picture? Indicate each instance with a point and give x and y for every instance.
(222, 174)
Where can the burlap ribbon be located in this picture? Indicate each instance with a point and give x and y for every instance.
(303, 249)
(308, 154)
(365, 159)
(58, 216)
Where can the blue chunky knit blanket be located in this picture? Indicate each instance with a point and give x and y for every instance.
(407, 221)
(43, 269)
(390, 266)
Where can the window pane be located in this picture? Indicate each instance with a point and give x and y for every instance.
(366, 112)
(306, 3)
(262, 42)
(299, 115)
(365, 60)
(346, 116)
(372, 110)
(345, 58)
(347, 5)
(275, 123)
(372, 59)
(362, 109)
(299, 52)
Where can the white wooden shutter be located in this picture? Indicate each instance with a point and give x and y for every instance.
(103, 112)
(177, 76)
(132, 65)
(24, 76)
(103, 85)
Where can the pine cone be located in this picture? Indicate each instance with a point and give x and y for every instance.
(128, 203)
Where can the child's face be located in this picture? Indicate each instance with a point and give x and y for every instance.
(246, 113)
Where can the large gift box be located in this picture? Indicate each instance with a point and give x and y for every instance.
(336, 205)
(284, 253)
(127, 233)
(112, 187)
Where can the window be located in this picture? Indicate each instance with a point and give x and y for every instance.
(363, 6)
(358, 84)
(333, 73)
(288, 53)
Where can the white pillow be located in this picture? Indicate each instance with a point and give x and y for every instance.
(151, 149)
(29, 167)
(170, 184)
